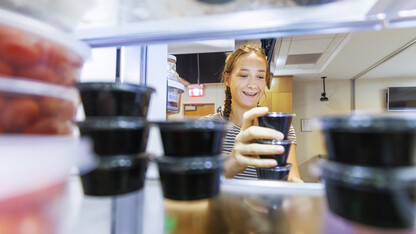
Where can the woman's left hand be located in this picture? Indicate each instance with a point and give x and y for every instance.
(245, 152)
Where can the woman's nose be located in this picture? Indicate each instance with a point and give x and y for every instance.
(252, 83)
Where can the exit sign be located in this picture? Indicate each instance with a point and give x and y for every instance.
(196, 90)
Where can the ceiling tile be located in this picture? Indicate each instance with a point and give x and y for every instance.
(284, 48)
(303, 58)
(322, 60)
(309, 46)
(334, 44)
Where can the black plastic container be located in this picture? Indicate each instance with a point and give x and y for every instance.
(116, 175)
(193, 138)
(190, 178)
(372, 196)
(274, 173)
(281, 159)
(278, 121)
(114, 99)
(116, 135)
(371, 140)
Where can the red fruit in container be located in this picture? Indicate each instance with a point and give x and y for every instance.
(9, 224)
(39, 72)
(7, 31)
(68, 75)
(35, 50)
(5, 69)
(35, 173)
(63, 109)
(28, 213)
(32, 107)
(50, 126)
(18, 114)
(35, 222)
(19, 51)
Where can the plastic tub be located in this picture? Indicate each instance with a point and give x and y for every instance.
(192, 138)
(371, 140)
(116, 135)
(281, 159)
(380, 197)
(278, 121)
(114, 99)
(274, 173)
(33, 50)
(174, 93)
(31, 107)
(115, 175)
(190, 178)
(35, 171)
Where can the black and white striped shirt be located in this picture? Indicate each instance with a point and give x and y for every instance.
(229, 139)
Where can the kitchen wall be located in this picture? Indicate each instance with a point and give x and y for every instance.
(369, 94)
(306, 105)
(214, 93)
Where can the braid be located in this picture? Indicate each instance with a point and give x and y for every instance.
(227, 103)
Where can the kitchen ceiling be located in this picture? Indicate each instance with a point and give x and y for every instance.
(363, 49)
(305, 54)
(337, 56)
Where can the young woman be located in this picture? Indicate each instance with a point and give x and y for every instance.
(246, 74)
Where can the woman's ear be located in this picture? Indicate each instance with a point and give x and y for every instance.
(227, 79)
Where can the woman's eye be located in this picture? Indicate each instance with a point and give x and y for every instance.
(261, 77)
(243, 76)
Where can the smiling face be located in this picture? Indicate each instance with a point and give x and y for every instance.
(247, 81)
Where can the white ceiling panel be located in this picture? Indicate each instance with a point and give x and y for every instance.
(309, 46)
(334, 44)
(322, 60)
(363, 49)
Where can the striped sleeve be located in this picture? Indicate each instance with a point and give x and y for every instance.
(292, 134)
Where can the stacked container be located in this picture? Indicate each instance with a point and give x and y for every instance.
(116, 122)
(280, 122)
(38, 65)
(370, 175)
(192, 164)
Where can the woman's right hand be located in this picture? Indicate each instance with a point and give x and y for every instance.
(245, 152)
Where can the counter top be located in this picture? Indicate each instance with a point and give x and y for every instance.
(243, 206)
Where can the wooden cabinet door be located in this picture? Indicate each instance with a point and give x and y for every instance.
(279, 97)
(198, 110)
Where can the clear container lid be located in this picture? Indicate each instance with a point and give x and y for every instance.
(172, 58)
(46, 31)
(28, 87)
(172, 73)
